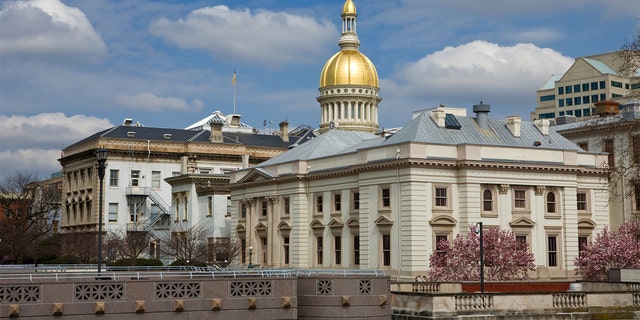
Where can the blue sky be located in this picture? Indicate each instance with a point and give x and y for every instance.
(69, 68)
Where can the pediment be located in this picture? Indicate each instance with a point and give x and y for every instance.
(335, 223)
(284, 225)
(353, 223)
(257, 174)
(522, 222)
(241, 228)
(586, 224)
(261, 226)
(317, 224)
(443, 220)
(383, 221)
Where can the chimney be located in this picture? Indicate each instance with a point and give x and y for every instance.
(542, 125)
(235, 120)
(482, 114)
(513, 123)
(284, 131)
(438, 117)
(216, 131)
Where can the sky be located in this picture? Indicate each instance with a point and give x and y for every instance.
(71, 68)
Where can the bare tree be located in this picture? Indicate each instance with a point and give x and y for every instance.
(630, 58)
(188, 244)
(79, 245)
(29, 210)
(126, 245)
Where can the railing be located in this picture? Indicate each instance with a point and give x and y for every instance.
(426, 287)
(569, 300)
(478, 301)
(155, 198)
(61, 272)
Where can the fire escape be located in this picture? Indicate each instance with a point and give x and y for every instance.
(136, 198)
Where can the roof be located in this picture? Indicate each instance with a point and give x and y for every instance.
(424, 129)
(180, 135)
(330, 143)
(600, 66)
(551, 82)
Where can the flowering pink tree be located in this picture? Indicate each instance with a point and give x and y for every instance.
(611, 249)
(505, 258)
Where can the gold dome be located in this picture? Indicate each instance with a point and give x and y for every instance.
(349, 8)
(349, 67)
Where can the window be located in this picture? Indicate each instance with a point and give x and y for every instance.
(594, 98)
(209, 206)
(561, 102)
(243, 210)
(441, 197)
(561, 113)
(113, 212)
(285, 247)
(286, 205)
(113, 178)
(135, 178)
(439, 244)
(585, 100)
(576, 88)
(520, 199)
(608, 147)
(568, 90)
(616, 84)
(356, 250)
(155, 179)
(577, 101)
(578, 113)
(319, 250)
(635, 146)
(586, 112)
(487, 200)
(133, 212)
(337, 245)
(603, 85)
(569, 101)
(356, 201)
(319, 204)
(155, 210)
(551, 97)
(585, 87)
(584, 146)
(522, 241)
(336, 202)
(552, 251)
(636, 192)
(560, 90)
(386, 197)
(569, 112)
(582, 242)
(594, 85)
(243, 248)
(582, 203)
(386, 250)
(551, 202)
(603, 96)
(263, 207)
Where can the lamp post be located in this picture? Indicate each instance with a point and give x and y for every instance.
(250, 254)
(101, 157)
(479, 231)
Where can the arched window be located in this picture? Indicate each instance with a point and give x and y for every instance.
(487, 200)
(551, 202)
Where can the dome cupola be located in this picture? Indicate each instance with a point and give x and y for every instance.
(349, 83)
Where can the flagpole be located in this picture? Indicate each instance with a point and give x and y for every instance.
(234, 92)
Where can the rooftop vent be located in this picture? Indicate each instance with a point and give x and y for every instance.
(450, 122)
(127, 122)
(131, 134)
(167, 136)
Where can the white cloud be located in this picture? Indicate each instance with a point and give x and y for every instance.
(33, 143)
(50, 30)
(263, 36)
(505, 76)
(151, 102)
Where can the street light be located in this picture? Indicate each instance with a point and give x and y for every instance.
(250, 254)
(479, 231)
(101, 157)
